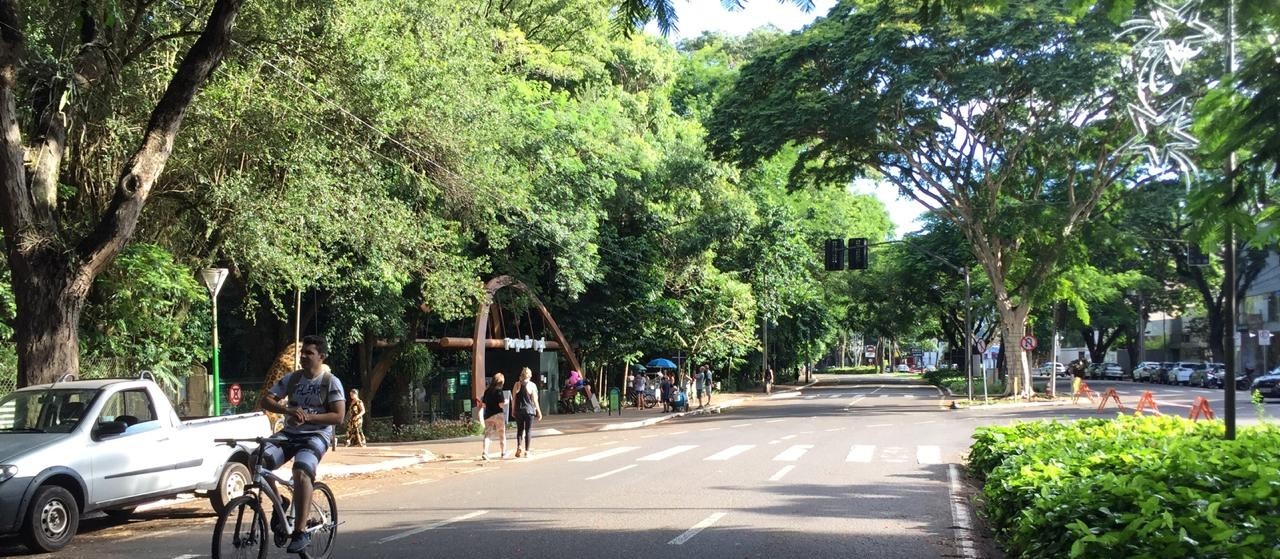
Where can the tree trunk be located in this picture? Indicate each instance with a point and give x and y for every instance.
(1013, 327)
(49, 303)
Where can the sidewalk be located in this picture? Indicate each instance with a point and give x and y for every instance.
(377, 457)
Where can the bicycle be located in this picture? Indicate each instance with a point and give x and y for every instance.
(243, 516)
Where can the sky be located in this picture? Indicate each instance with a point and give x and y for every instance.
(697, 16)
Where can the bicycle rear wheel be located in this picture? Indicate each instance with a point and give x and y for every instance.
(241, 531)
(322, 523)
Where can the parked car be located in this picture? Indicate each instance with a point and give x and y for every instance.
(1268, 384)
(1112, 371)
(71, 448)
(1146, 371)
(1093, 371)
(1183, 372)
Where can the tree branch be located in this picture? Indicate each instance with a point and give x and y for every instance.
(140, 173)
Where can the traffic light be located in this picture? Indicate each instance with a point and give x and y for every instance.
(1195, 256)
(858, 254)
(835, 255)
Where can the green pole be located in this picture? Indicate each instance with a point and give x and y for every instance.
(217, 379)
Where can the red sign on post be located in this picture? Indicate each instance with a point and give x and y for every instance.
(1029, 342)
(233, 394)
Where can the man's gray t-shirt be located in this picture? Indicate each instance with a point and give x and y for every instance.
(309, 395)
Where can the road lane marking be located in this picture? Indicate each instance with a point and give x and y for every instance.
(787, 438)
(928, 455)
(432, 526)
(924, 422)
(711, 429)
(783, 395)
(881, 425)
(651, 436)
(775, 420)
(730, 452)
(151, 535)
(960, 517)
(855, 400)
(792, 454)
(811, 397)
(668, 453)
(548, 454)
(861, 453)
(741, 425)
(605, 454)
(611, 472)
(834, 429)
(419, 482)
(884, 395)
(706, 523)
(187, 556)
(782, 472)
(359, 493)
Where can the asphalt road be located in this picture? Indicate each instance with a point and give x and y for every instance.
(861, 470)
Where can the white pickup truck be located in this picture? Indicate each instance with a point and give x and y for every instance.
(71, 448)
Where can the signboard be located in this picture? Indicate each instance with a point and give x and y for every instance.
(233, 394)
(1029, 342)
(979, 346)
(453, 386)
(1264, 337)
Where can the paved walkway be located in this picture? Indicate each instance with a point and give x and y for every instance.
(346, 461)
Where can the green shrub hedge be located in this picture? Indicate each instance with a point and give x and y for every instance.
(859, 370)
(380, 430)
(1142, 487)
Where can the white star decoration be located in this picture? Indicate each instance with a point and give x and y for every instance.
(1174, 36)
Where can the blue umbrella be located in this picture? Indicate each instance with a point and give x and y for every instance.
(661, 363)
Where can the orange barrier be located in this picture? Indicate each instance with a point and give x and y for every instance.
(1201, 409)
(1110, 395)
(1085, 391)
(1147, 401)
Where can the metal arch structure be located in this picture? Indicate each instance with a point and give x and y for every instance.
(482, 330)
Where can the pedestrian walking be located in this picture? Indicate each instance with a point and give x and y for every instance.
(700, 383)
(355, 419)
(494, 410)
(527, 410)
(666, 386)
(768, 381)
(638, 387)
(1077, 370)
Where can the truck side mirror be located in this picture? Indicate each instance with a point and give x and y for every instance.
(110, 429)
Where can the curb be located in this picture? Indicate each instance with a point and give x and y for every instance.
(655, 420)
(346, 470)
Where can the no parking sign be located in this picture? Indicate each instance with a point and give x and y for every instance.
(233, 394)
(1029, 342)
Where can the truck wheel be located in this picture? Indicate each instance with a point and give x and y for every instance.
(231, 484)
(52, 520)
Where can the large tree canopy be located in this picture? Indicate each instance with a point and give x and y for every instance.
(1009, 123)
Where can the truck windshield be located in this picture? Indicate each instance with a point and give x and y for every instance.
(44, 411)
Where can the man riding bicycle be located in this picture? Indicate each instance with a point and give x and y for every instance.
(316, 403)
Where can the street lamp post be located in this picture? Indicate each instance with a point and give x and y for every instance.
(213, 278)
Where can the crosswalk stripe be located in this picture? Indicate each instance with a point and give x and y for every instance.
(792, 454)
(668, 453)
(611, 472)
(928, 455)
(861, 453)
(433, 526)
(784, 471)
(548, 454)
(708, 521)
(730, 452)
(605, 454)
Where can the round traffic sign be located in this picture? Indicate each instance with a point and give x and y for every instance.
(233, 394)
(1029, 342)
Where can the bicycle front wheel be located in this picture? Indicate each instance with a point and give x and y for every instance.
(241, 531)
(322, 523)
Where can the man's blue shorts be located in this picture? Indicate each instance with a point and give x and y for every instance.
(305, 449)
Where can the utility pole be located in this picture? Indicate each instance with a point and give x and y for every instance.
(1229, 262)
(968, 338)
